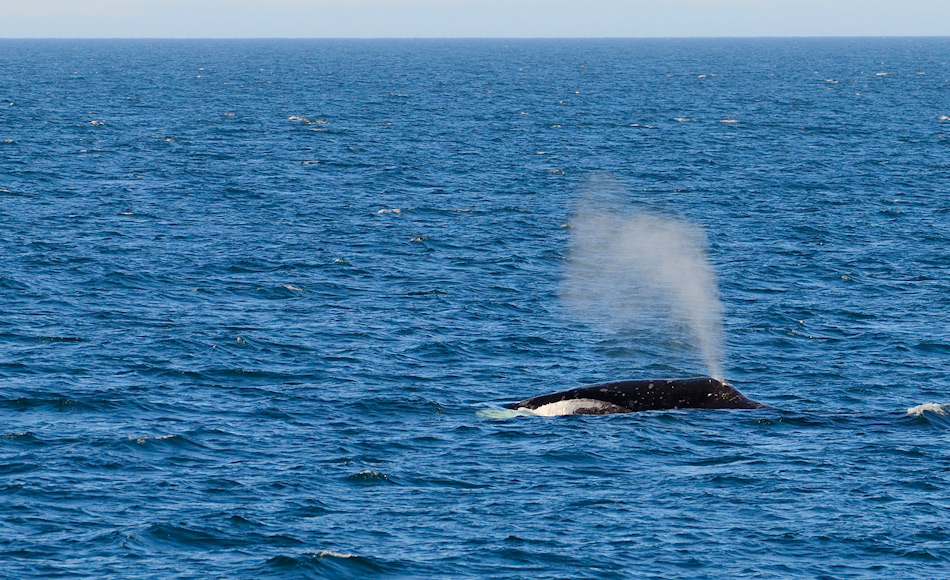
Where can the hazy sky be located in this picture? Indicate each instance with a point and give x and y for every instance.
(470, 18)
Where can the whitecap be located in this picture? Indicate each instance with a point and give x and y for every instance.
(292, 288)
(729, 121)
(143, 440)
(682, 119)
(943, 118)
(370, 476)
(16, 434)
(394, 210)
(932, 407)
(305, 120)
(331, 554)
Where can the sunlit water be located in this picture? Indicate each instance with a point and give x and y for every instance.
(261, 303)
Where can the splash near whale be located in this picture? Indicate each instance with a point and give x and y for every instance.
(640, 395)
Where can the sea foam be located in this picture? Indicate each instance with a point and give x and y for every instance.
(931, 407)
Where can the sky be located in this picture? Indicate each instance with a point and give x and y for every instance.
(469, 18)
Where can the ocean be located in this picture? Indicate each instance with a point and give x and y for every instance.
(262, 303)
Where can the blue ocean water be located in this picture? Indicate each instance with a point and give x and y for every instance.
(256, 298)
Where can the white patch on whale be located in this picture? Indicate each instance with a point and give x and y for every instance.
(574, 407)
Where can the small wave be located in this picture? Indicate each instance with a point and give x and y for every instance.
(165, 443)
(307, 121)
(943, 118)
(332, 564)
(940, 409)
(369, 477)
(26, 437)
(144, 440)
(729, 121)
(332, 554)
(682, 119)
(396, 211)
(51, 400)
(53, 339)
(189, 537)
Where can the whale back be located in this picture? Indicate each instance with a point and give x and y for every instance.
(640, 395)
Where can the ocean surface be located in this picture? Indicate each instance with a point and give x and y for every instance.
(262, 303)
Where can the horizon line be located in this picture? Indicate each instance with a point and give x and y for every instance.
(667, 37)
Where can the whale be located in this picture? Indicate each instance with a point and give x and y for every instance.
(639, 395)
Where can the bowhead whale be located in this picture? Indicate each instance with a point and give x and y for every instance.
(646, 395)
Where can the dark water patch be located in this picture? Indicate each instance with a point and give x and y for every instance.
(330, 564)
(190, 537)
(7, 469)
(54, 402)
